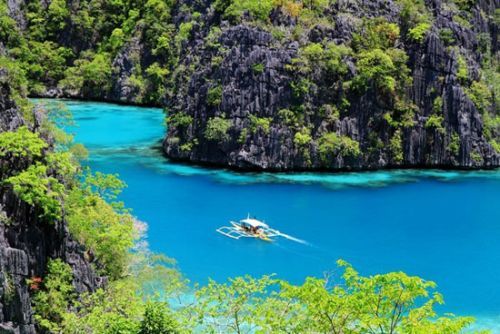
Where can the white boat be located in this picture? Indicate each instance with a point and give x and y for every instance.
(249, 228)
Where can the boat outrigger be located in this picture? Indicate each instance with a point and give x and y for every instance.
(249, 228)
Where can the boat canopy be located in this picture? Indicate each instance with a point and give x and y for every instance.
(254, 223)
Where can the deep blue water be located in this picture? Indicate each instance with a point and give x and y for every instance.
(442, 226)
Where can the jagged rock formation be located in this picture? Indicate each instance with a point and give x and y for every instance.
(27, 242)
(279, 110)
(230, 63)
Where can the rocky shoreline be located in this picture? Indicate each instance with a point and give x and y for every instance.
(457, 142)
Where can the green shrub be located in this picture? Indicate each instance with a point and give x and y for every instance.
(335, 56)
(376, 33)
(9, 33)
(287, 116)
(414, 13)
(91, 73)
(447, 36)
(480, 95)
(156, 82)
(44, 62)
(491, 127)
(476, 157)
(495, 143)
(465, 5)
(256, 123)
(259, 10)
(435, 122)
(187, 147)
(214, 96)
(21, 143)
(158, 319)
(184, 32)
(303, 138)
(100, 223)
(462, 70)
(462, 22)
(437, 105)
(179, 120)
(258, 68)
(396, 147)
(313, 51)
(417, 33)
(35, 187)
(116, 40)
(301, 87)
(212, 39)
(454, 144)
(57, 15)
(217, 129)
(331, 144)
(52, 301)
(375, 67)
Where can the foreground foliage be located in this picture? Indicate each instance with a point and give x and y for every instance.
(146, 294)
(387, 303)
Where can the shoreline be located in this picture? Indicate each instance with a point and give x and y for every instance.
(250, 170)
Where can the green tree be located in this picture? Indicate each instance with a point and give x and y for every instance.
(35, 187)
(52, 301)
(57, 14)
(331, 145)
(91, 74)
(387, 303)
(259, 10)
(158, 319)
(376, 33)
(262, 123)
(377, 68)
(21, 143)
(104, 228)
(217, 129)
(231, 307)
(214, 96)
(396, 147)
(179, 120)
(417, 33)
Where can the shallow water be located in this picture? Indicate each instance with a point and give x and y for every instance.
(442, 226)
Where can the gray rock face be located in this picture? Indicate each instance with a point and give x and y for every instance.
(26, 242)
(264, 91)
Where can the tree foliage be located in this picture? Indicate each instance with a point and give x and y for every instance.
(21, 143)
(35, 187)
(331, 145)
(158, 319)
(386, 303)
(51, 302)
(100, 223)
(217, 129)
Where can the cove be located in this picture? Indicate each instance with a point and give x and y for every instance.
(442, 226)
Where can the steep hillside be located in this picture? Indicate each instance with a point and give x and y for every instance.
(27, 241)
(342, 84)
(281, 84)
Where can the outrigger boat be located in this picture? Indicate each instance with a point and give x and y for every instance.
(249, 228)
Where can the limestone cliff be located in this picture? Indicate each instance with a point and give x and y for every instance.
(289, 84)
(258, 70)
(27, 242)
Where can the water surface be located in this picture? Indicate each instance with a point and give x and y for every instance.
(442, 226)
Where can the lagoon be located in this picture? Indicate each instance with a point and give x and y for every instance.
(440, 225)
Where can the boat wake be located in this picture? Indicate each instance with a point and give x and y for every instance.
(289, 237)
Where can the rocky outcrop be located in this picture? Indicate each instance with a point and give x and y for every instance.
(251, 65)
(252, 62)
(27, 242)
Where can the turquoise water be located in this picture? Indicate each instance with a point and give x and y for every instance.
(442, 226)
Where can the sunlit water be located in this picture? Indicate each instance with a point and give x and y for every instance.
(442, 226)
